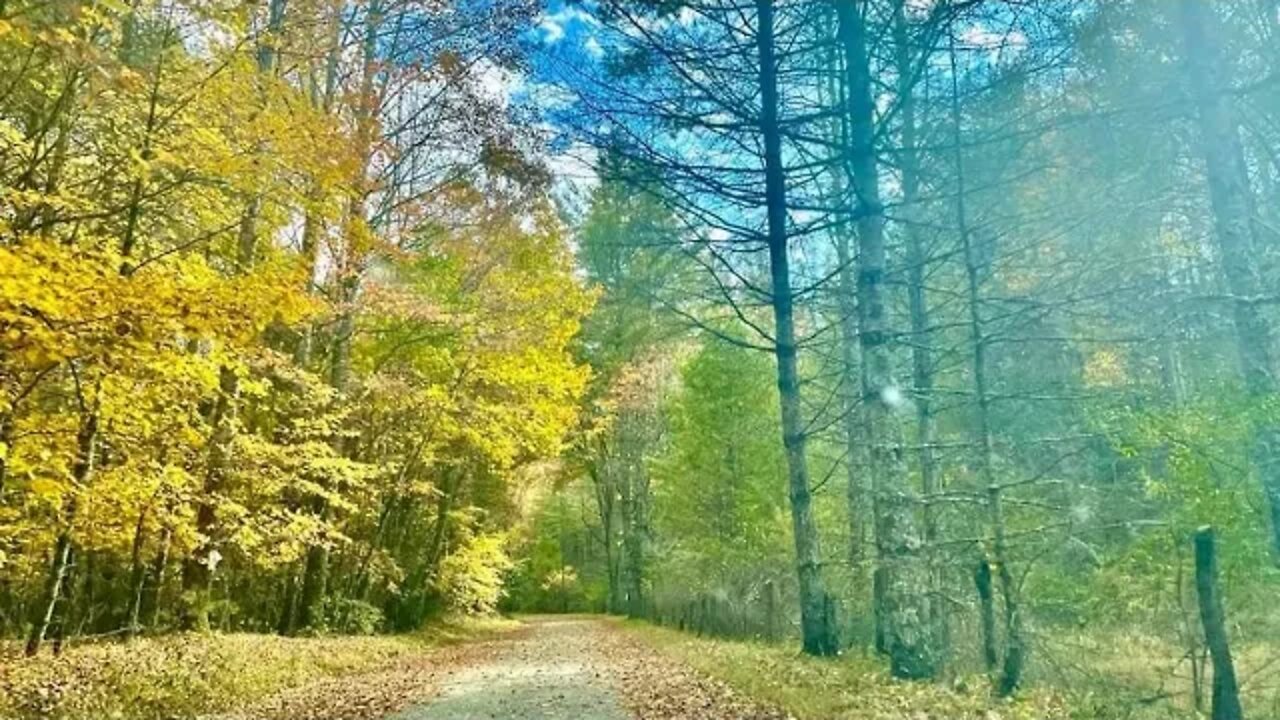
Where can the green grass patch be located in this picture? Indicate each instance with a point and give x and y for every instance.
(183, 676)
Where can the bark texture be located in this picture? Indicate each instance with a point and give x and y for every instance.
(1226, 690)
(902, 606)
(81, 473)
(818, 635)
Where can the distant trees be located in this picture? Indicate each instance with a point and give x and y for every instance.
(721, 533)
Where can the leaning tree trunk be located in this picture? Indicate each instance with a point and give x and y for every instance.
(429, 569)
(818, 633)
(904, 606)
(54, 584)
(81, 474)
(1015, 647)
(137, 576)
(1232, 202)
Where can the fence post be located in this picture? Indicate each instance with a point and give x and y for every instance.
(1226, 692)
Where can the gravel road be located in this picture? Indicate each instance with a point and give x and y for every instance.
(547, 673)
(553, 668)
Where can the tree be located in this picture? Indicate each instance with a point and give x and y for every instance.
(902, 572)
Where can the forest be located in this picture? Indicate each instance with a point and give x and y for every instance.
(930, 341)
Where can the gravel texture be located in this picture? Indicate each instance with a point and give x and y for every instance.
(554, 668)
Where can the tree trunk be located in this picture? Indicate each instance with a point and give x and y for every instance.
(917, 266)
(1235, 230)
(1015, 647)
(604, 494)
(81, 473)
(6, 447)
(58, 630)
(266, 56)
(197, 569)
(986, 615)
(819, 638)
(288, 622)
(316, 571)
(358, 586)
(158, 568)
(903, 607)
(635, 525)
(771, 624)
(315, 580)
(137, 576)
(1226, 692)
(922, 362)
(435, 550)
(854, 445)
(315, 574)
(856, 510)
(53, 588)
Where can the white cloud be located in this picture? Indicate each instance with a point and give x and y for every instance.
(553, 25)
(553, 31)
(980, 37)
(1000, 46)
(574, 169)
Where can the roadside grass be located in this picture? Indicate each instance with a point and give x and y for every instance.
(853, 687)
(1122, 672)
(190, 675)
(1105, 675)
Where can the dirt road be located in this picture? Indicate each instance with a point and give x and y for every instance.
(551, 671)
(556, 668)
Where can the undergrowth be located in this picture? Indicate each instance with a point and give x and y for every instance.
(853, 687)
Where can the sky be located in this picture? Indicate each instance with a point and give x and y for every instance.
(566, 34)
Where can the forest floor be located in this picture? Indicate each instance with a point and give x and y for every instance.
(537, 668)
(570, 668)
(593, 668)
